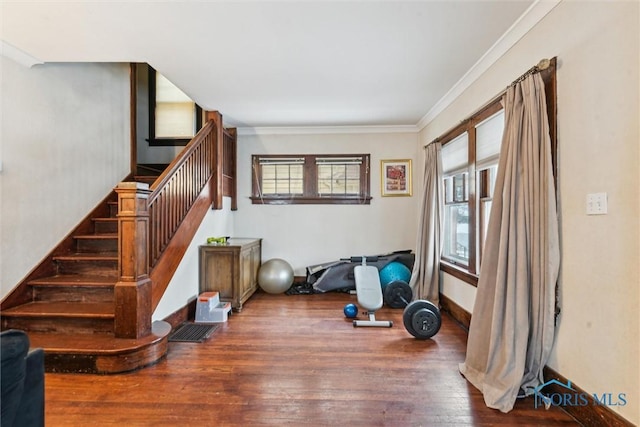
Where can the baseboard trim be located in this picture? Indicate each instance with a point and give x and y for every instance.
(183, 314)
(459, 314)
(589, 414)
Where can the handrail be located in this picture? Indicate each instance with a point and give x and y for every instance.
(173, 192)
(206, 131)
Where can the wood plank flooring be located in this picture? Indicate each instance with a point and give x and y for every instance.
(293, 360)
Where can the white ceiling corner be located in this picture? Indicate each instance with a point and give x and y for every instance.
(9, 51)
(538, 10)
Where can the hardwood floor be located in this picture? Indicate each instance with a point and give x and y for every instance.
(293, 360)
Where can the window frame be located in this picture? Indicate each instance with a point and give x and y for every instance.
(485, 176)
(455, 201)
(310, 194)
(470, 273)
(164, 141)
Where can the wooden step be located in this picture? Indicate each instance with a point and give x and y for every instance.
(74, 288)
(151, 168)
(148, 179)
(97, 264)
(113, 208)
(75, 280)
(97, 242)
(101, 353)
(81, 256)
(105, 225)
(63, 317)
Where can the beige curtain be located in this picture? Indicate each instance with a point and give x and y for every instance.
(426, 269)
(512, 326)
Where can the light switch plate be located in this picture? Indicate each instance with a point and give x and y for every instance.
(597, 204)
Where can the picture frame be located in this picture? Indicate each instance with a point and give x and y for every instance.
(396, 177)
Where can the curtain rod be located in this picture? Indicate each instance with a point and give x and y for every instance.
(542, 65)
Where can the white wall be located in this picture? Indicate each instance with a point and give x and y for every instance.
(183, 287)
(65, 144)
(597, 46)
(458, 291)
(305, 235)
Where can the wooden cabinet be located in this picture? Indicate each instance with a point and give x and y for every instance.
(231, 269)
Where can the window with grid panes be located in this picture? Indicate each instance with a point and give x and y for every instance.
(310, 179)
(339, 176)
(282, 176)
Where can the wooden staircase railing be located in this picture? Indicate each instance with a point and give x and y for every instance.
(174, 192)
(157, 222)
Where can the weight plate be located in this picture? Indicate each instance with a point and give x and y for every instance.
(398, 294)
(422, 319)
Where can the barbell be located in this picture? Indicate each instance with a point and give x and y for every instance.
(421, 318)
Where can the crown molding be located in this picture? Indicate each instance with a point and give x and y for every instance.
(534, 14)
(21, 57)
(529, 19)
(316, 130)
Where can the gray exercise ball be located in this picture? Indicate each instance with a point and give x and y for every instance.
(275, 276)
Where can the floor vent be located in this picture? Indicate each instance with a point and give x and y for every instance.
(192, 332)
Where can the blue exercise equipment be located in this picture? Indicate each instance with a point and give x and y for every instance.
(393, 272)
(350, 310)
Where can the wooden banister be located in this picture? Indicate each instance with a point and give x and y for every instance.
(174, 192)
(157, 223)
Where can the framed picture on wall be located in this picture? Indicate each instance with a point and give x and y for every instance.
(395, 177)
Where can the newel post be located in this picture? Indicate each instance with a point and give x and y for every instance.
(133, 289)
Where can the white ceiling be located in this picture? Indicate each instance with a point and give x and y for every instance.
(278, 63)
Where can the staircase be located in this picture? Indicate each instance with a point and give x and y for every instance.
(71, 313)
(89, 303)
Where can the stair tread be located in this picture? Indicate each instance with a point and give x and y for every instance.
(75, 279)
(97, 236)
(105, 219)
(95, 343)
(103, 310)
(89, 256)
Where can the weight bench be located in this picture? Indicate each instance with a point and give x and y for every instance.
(369, 293)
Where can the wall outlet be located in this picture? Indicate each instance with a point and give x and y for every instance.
(597, 204)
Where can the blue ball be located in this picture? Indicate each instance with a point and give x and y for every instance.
(350, 310)
(394, 271)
